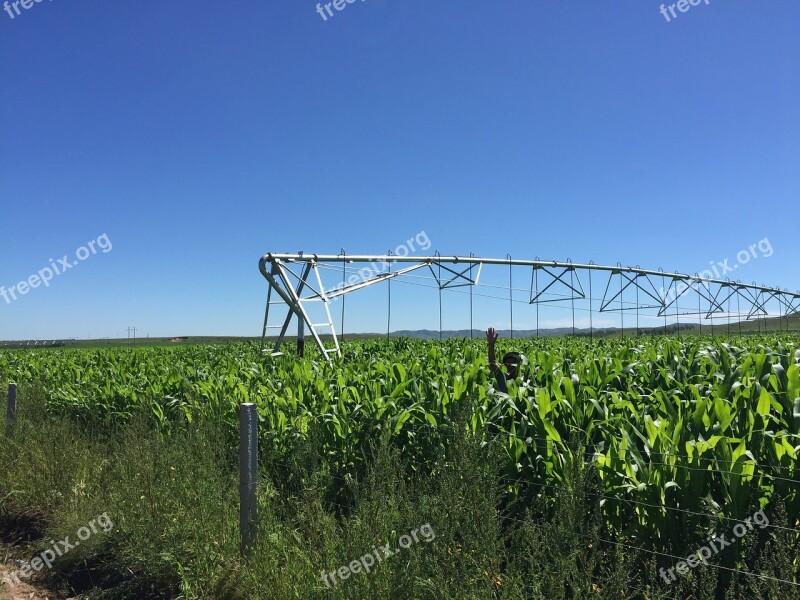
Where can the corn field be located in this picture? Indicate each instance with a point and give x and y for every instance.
(682, 433)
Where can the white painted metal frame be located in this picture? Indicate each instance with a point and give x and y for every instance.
(291, 286)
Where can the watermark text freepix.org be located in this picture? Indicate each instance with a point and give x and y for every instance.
(12, 7)
(379, 553)
(682, 6)
(325, 9)
(47, 557)
(718, 270)
(376, 268)
(715, 545)
(56, 267)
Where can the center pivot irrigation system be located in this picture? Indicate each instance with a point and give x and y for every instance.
(295, 283)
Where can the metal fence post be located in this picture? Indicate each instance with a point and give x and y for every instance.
(12, 402)
(248, 473)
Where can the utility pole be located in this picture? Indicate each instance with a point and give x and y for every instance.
(132, 329)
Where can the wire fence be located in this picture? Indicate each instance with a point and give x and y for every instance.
(586, 454)
(589, 461)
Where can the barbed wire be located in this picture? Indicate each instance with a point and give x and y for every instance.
(442, 430)
(557, 487)
(586, 535)
(712, 565)
(656, 506)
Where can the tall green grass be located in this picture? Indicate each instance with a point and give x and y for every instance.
(603, 460)
(173, 500)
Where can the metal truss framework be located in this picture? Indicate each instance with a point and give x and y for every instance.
(296, 281)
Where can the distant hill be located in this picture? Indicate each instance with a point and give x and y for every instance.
(427, 334)
(721, 327)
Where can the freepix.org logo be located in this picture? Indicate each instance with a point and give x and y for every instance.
(56, 267)
(718, 270)
(668, 10)
(326, 9)
(101, 523)
(716, 543)
(379, 553)
(377, 268)
(13, 7)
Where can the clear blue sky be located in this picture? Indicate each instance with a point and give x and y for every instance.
(200, 135)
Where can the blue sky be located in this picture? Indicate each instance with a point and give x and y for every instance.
(198, 136)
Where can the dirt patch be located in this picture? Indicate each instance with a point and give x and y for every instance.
(12, 532)
(13, 587)
(10, 590)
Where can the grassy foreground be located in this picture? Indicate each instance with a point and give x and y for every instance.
(173, 502)
(506, 516)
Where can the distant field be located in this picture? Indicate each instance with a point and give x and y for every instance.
(720, 327)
